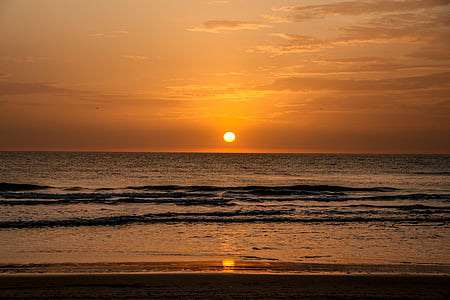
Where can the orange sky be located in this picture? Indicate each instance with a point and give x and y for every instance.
(174, 75)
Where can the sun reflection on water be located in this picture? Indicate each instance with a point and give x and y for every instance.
(228, 265)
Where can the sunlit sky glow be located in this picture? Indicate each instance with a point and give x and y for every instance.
(174, 75)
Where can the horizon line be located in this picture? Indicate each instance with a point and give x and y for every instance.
(232, 152)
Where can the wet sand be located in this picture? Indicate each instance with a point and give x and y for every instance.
(226, 279)
(229, 265)
(223, 286)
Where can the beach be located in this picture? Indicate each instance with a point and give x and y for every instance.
(225, 149)
(223, 286)
(223, 226)
(223, 280)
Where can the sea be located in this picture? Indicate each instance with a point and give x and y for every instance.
(101, 207)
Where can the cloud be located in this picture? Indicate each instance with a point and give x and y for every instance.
(423, 18)
(351, 60)
(219, 2)
(302, 13)
(436, 80)
(354, 66)
(18, 88)
(358, 34)
(295, 44)
(233, 92)
(222, 25)
(229, 74)
(431, 53)
(5, 75)
(22, 59)
(368, 34)
(136, 57)
(420, 27)
(407, 22)
(112, 34)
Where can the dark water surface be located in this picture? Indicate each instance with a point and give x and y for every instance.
(320, 208)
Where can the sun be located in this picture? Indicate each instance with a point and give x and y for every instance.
(229, 137)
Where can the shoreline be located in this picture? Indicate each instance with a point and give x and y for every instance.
(226, 266)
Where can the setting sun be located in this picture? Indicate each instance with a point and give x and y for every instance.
(287, 76)
(229, 137)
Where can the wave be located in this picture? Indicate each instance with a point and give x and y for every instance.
(402, 207)
(181, 202)
(186, 198)
(265, 190)
(433, 173)
(152, 218)
(99, 196)
(215, 202)
(4, 186)
(201, 198)
(25, 194)
(255, 216)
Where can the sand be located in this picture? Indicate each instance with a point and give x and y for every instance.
(223, 286)
(223, 280)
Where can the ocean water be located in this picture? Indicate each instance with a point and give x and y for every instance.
(58, 207)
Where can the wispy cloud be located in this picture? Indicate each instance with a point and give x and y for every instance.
(358, 65)
(350, 60)
(439, 52)
(20, 88)
(233, 92)
(224, 25)
(111, 34)
(419, 27)
(368, 34)
(302, 13)
(219, 2)
(409, 22)
(436, 80)
(135, 57)
(229, 74)
(295, 44)
(5, 75)
(24, 59)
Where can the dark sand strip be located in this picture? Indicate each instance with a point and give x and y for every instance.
(223, 286)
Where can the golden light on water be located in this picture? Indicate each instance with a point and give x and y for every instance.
(228, 265)
(229, 137)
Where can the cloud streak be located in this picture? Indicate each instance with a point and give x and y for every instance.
(226, 25)
(5, 75)
(21, 88)
(420, 28)
(354, 8)
(112, 34)
(218, 2)
(22, 59)
(333, 67)
(135, 57)
(436, 80)
(417, 22)
(368, 34)
(294, 44)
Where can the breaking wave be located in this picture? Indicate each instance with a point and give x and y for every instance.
(217, 204)
(4, 186)
(258, 216)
